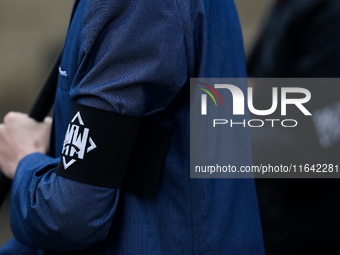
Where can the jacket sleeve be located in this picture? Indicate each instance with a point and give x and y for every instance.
(54, 213)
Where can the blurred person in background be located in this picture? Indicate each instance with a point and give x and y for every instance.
(300, 38)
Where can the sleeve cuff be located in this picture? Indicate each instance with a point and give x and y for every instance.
(35, 163)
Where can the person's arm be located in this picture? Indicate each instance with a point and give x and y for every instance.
(41, 215)
(136, 73)
(51, 212)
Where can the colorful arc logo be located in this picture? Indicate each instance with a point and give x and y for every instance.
(204, 97)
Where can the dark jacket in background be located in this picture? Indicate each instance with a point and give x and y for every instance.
(301, 38)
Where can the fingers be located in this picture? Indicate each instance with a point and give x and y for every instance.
(21, 135)
(48, 120)
(13, 116)
(16, 118)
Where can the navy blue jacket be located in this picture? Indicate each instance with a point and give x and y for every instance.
(136, 58)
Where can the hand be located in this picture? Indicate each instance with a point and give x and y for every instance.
(20, 136)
